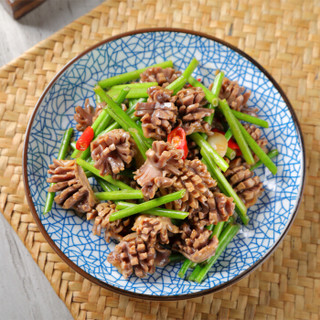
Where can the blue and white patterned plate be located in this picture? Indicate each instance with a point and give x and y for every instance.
(71, 236)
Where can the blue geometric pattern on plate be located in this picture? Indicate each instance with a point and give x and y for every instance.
(268, 218)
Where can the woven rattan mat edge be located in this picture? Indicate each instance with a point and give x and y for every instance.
(284, 39)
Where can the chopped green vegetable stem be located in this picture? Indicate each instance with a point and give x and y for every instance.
(195, 272)
(133, 94)
(106, 186)
(226, 237)
(178, 84)
(121, 117)
(87, 166)
(143, 148)
(271, 154)
(209, 119)
(123, 93)
(216, 87)
(103, 124)
(209, 95)
(173, 214)
(231, 220)
(119, 195)
(190, 68)
(230, 154)
(108, 119)
(97, 122)
(116, 125)
(135, 85)
(254, 120)
(184, 268)
(115, 111)
(217, 229)
(217, 84)
(65, 144)
(147, 205)
(113, 126)
(203, 144)
(228, 134)
(220, 186)
(129, 76)
(224, 185)
(257, 150)
(237, 134)
(61, 156)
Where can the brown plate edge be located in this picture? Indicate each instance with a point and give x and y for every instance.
(139, 295)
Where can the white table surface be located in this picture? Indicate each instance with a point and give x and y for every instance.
(25, 293)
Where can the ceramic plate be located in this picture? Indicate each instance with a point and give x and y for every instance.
(71, 236)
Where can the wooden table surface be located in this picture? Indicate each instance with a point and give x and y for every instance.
(25, 293)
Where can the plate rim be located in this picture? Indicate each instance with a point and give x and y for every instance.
(110, 287)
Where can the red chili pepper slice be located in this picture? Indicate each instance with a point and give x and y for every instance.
(84, 141)
(178, 138)
(233, 145)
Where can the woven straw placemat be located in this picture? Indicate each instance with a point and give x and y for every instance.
(285, 38)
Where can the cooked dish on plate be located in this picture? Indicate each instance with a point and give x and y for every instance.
(175, 163)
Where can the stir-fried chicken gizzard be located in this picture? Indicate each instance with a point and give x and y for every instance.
(172, 125)
(72, 185)
(112, 152)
